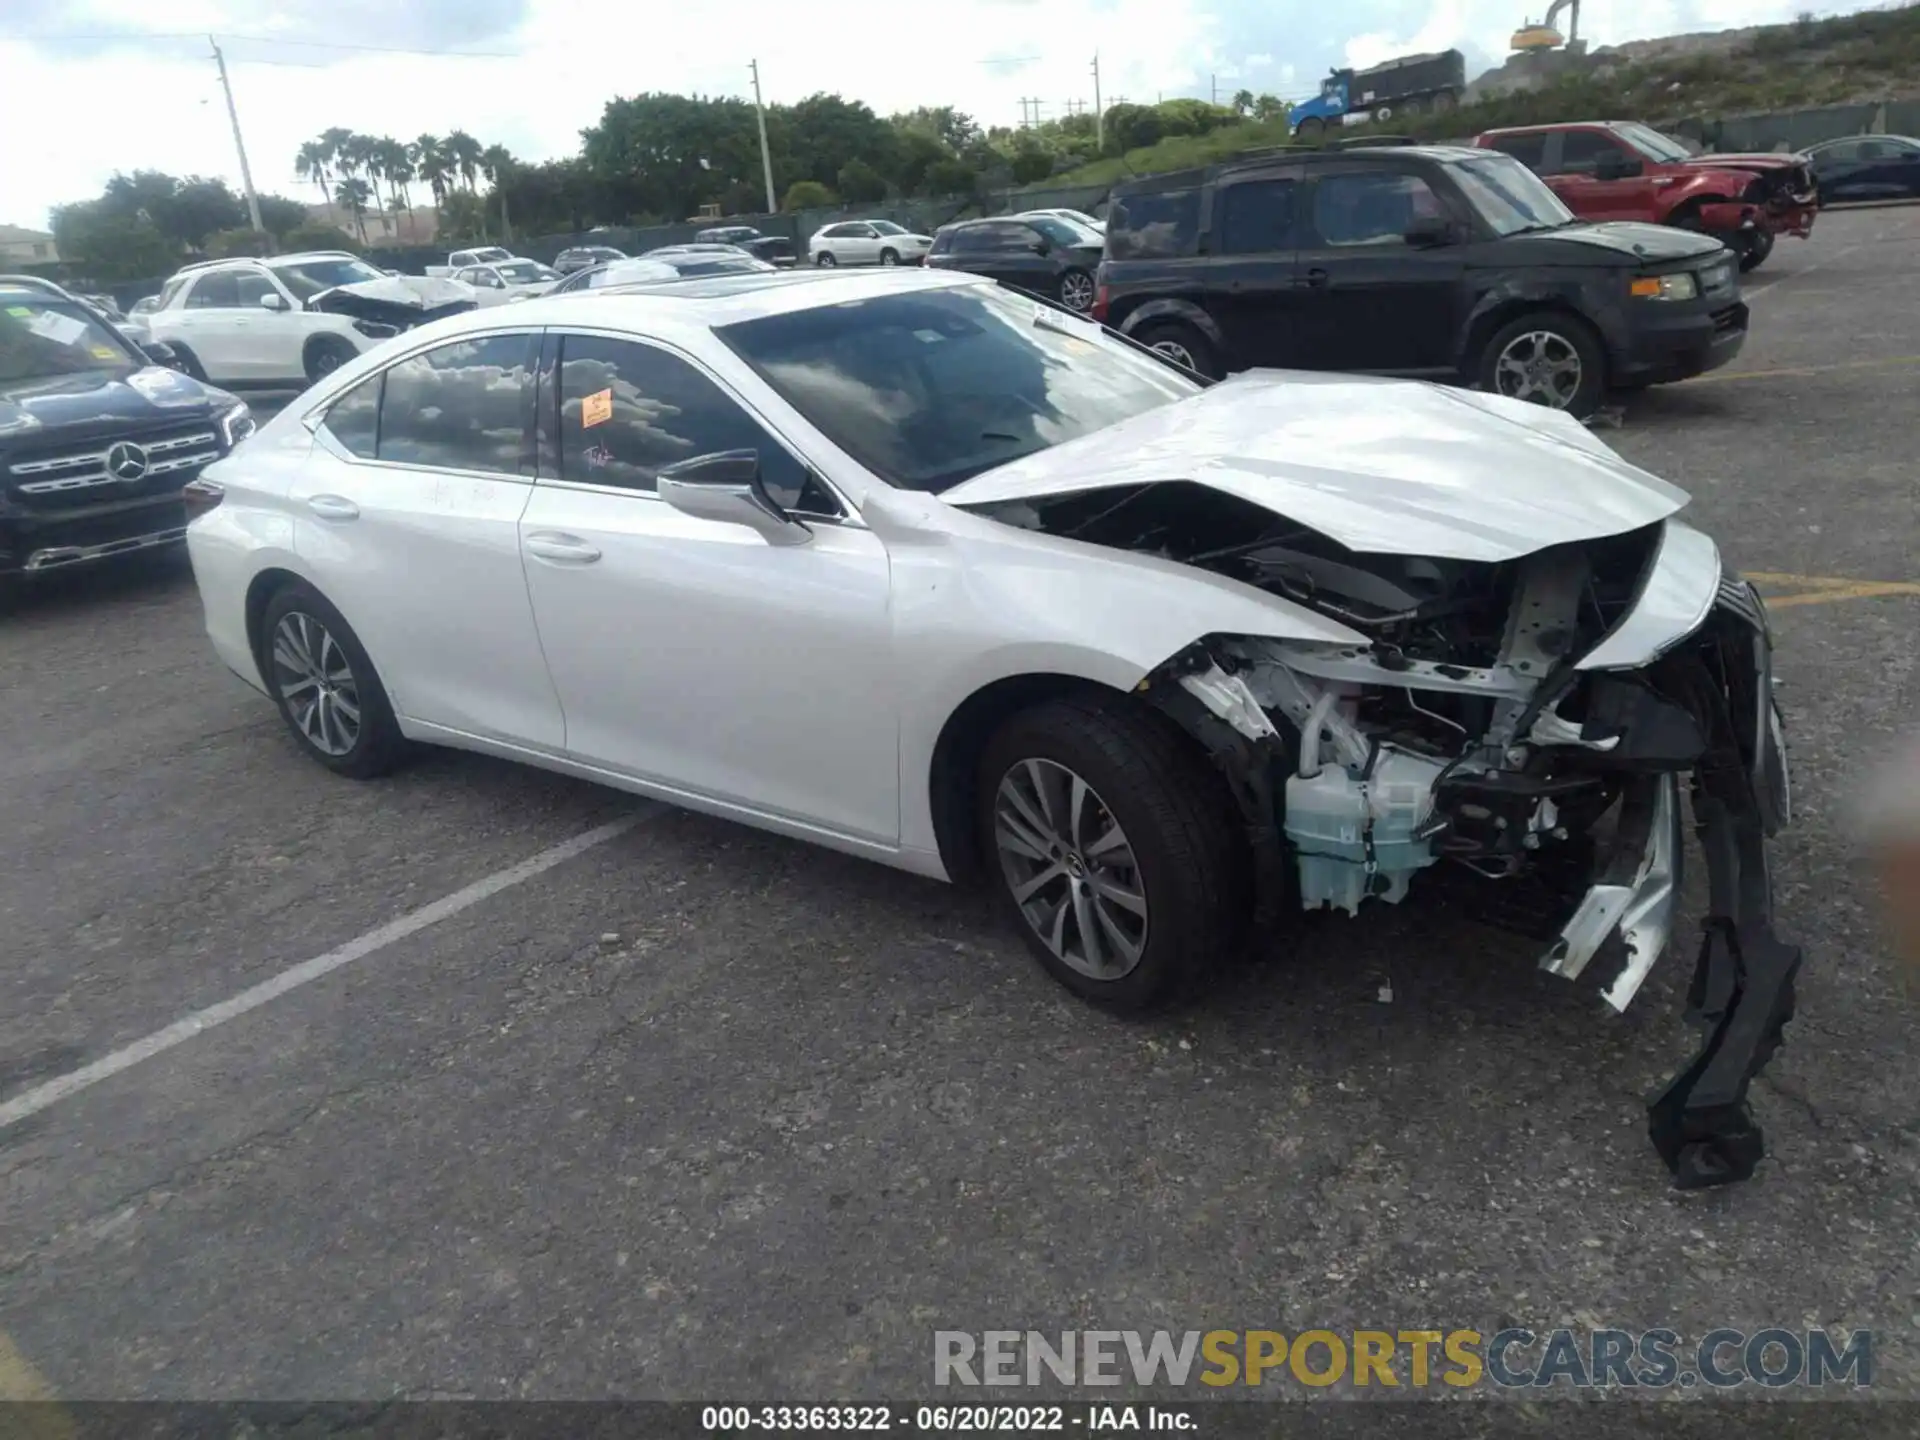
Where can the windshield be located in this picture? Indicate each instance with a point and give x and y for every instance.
(44, 337)
(1651, 143)
(310, 277)
(526, 272)
(887, 227)
(932, 387)
(1510, 197)
(488, 255)
(1063, 232)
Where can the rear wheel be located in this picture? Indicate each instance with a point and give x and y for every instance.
(825, 259)
(1182, 344)
(1117, 852)
(1076, 291)
(325, 685)
(1546, 358)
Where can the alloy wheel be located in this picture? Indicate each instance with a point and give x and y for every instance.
(1070, 868)
(1540, 366)
(1175, 352)
(315, 679)
(1076, 292)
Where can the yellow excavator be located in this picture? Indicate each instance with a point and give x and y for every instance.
(1543, 35)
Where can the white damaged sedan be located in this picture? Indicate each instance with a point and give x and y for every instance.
(907, 565)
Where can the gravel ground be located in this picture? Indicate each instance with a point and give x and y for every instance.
(699, 1113)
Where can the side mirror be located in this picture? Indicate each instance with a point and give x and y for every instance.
(273, 300)
(1615, 166)
(725, 486)
(1429, 231)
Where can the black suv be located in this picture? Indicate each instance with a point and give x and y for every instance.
(1040, 253)
(97, 441)
(774, 249)
(1433, 261)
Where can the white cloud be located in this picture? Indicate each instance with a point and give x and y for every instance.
(125, 110)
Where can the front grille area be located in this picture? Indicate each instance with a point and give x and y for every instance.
(1727, 319)
(76, 475)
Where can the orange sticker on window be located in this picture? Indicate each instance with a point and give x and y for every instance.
(597, 408)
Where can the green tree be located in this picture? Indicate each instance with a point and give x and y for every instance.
(916, 152)
(824, 132)
(315, 162)
(1243, 102)
(1131, 126)
(356, 195)
(101, 243)
(430, 163)
(1030, 165)
(807, 195)
(245, 241)
(952, 177)
(462, 220)
(860, 182)
(954, 129)
(280, 214)
(463, 153)
(1269, 107)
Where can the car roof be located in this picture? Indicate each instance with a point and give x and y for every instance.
(710, 301)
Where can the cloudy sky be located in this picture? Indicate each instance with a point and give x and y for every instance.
(95, 86)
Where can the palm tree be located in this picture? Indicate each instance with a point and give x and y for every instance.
(312, 163)
(1242, 101)
(429, 157)
(463, 151)
(361, 156)
(354, 194)
(498, 166)
(390, 160)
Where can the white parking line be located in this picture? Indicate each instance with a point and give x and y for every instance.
(307, 971)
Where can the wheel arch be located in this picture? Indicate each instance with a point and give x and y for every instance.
(1500, 310)
(1177, 309)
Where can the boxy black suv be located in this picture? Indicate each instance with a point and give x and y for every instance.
(1432, 261)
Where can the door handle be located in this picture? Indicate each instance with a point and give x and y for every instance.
(1313, 280)
(333, 507)
(561, 548)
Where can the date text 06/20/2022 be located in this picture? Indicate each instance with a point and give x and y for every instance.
(1513, 1358)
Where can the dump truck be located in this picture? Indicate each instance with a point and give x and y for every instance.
(1404, 86)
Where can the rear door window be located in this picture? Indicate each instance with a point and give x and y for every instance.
(1580, 151)
(1158, 224)
(1529, 150)
(1370, 207)
(1256, 216)
(462, 406)
(215, 292)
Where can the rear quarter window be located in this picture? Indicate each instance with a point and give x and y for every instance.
(1158, 224)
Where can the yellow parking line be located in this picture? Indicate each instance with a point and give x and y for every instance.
(1721, 377)
(1825, 589)
(27, 1403)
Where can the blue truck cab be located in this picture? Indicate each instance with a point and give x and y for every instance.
(1329, 105)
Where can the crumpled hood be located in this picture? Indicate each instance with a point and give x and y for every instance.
(1756, 161)
(416, 292)
(1395, 467)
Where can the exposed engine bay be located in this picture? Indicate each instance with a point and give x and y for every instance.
(1513, 738)
(396, 302)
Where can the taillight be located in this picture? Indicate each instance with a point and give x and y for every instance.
(1100, 303)
(200, 496)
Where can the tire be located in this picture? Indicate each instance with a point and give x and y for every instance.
(1561, 338)
(1181, 343)
(326, 355)
(1311, 129)
(1076, 291)
(1754, 253)
(825, 260)
(189, 362)
(889, 257)
(304, 638)
(1444, 102)
(1410, 107)
(1186, 867)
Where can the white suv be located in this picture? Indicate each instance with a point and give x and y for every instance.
(242, 323)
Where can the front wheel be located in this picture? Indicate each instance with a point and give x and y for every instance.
(1117, 851)
(1546, 358)
(1311, 129)
(325, 685)
(889, 257)
(326, 355)
(1076, 291)
(1758, 246)
(825, 260)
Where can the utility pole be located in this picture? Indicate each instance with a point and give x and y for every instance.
(766, 155)
(246, 175)
(1213, 83)
(1099, 115)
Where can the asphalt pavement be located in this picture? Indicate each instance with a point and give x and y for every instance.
(699, 1113)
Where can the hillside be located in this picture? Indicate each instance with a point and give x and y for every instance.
(1869, 57)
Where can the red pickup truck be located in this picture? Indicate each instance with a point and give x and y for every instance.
(1622, 170)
